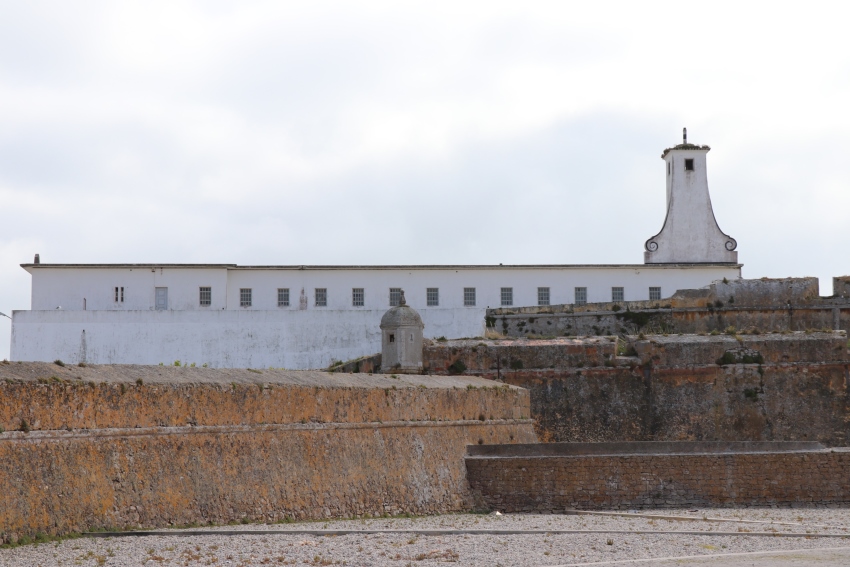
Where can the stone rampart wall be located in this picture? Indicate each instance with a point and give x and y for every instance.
(483, 355)
(790, 304)
(112, 446)
(49, 397)
(793, 387)
(559, 483)
(625, 320)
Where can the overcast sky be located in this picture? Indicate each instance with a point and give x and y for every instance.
(405, 133)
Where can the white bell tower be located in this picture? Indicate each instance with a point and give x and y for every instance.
(690, 234)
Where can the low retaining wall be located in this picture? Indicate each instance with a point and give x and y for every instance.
(611, 477)
(130, 446)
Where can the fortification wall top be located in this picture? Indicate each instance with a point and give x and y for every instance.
(764, 293)
(774, 348)
(460, 355)
(640, 448)
(672, 351)
(46, 396)
(184, 375)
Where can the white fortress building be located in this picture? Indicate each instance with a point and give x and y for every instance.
(300, 317)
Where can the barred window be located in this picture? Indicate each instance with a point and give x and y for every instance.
(119, 295)
(469, 297)
(395, 296)
(283, 297)
(205, 296)
(542, 296)
(617, 294)
(432, 295)
(321, 297)
(654, 293)
(357, 297)
(245, 297)
(507, 296)
(581, 295)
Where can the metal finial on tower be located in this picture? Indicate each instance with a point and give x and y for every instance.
(684, 135)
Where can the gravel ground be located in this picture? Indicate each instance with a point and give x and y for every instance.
(463, 549)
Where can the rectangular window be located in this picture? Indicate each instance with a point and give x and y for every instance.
(507, 296)
(654, 293)
(395, 296)
(432, 295)
(357, 297)
(469, 297)
(245, 297)
(161, 298)
(617, 294)
(581, 296)
(206, 296)
(283, 297)
(321, 297)
(542, 296)
(119, 295)
(689, 165)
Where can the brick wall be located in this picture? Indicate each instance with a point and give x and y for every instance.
(634, 481)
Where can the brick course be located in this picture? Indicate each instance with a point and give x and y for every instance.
(559, 483)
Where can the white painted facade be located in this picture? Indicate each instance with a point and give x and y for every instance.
(225, 334)
(152, 313)
(690, 230)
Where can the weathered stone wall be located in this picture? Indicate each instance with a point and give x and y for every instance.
(98, 446)
(367, 364)
(790, 304)
(493, 356)
(554, 483)
(50, 397)
(841, 287)
(793, 386)
(627, 321)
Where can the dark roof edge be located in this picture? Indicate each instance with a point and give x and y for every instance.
(388, 267)
(41, 265)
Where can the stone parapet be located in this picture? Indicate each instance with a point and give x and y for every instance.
(47, 396)
(789, 304)
(478, 355)
(693, 350)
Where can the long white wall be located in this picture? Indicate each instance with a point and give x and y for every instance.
(223, 339)
(224, 334)
(67, 288)
(73, 288)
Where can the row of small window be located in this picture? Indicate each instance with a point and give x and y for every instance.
(580, 295)
(358, 296)
(432, 296)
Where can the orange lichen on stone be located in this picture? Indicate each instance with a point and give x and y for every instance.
(186, 446)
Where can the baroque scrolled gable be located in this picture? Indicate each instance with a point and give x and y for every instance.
(690, 233)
